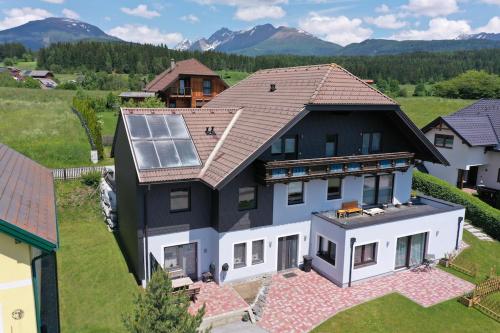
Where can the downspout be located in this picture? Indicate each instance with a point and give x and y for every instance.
(34, 279)
(460, 219)
(353, 240)
(145, 234)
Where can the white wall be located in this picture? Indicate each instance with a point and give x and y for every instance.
(489, 173)
(402, 186)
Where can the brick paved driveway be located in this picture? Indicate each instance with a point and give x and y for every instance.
(218, 299)
(300, 303)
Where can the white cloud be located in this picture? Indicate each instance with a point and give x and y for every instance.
(107, 18)
(190, 18)
(17, 16)
(144, 34)
(492, 26)
(259, 12)
(388, 21)
(70, 14)
(431, 8)
(439, 28)
(383, 8)
(239, 3)
(492, 2)
(141, 11)
(340, 29)
(54, 1)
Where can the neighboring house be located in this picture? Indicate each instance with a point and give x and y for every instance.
(137, 96)
(470, 141)
(253, 181)
(28, 241)
(186, 84)
(45, 77)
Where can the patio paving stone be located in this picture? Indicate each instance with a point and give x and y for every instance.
(218, 299)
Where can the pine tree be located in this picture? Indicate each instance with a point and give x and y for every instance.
(158, 310)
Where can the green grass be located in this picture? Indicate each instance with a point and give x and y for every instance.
(25, 65)
(95, 287)
(423, 110)
(108, 120)
(396, 313)
(232, 77)
(40, 124)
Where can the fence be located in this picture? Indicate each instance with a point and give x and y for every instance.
(471, 271)
(484, 297)
(74, 173)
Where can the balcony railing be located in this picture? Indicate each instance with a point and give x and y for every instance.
(318, 168)
(177, 91)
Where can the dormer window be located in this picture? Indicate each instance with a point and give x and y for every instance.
(371, 143)
(443, 141)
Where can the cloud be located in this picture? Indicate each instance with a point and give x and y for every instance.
(17, 16)
(491, 2)
(70, 14)
(431, 8)
(259, 12)
(144, 34)
(388, 21)
(492, 26)
(107, 18)
(340, 29)
(439, 28)
(190, 18)
(141, 11)
(54, 1)
(383, 8)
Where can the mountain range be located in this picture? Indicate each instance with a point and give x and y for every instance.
(260, 40)
(41, 33)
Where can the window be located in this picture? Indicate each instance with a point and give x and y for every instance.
(286, 146)
(334, 187)
(371, 143)
(207, 87)
(290, 145)
(377, 190)
(247, 198)
(327, 250)
(276, 148)
(443, 141)
(295, 193)
(498, 177)
(257, 252)
(240, 255)
(180, 200)
(365, 255)
(331, 145)
(172, 104)
(200, 103)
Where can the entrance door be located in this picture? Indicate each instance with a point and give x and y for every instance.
(462, 176)
(410, 250)
(287, 252)
(472, 177)
(182, 256)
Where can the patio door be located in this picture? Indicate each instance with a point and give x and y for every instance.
(287, 252)
(182, 256)
(410, 250)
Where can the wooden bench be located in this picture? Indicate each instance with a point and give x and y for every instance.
(349, 208)
(193, 293)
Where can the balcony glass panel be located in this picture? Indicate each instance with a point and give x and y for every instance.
(385, 164)
(336, 168)
(278, 173)
(401, 162)
(299, 171)
(354, 166)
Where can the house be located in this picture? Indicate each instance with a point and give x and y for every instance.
(256, 179)
(39, 74)
(186, 84)
(470, 141)
(137, 96)
(28, 241)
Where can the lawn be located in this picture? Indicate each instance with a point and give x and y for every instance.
(108, 120)
(24, 65)
(40, 124)
(232, 77)
(396, 313)
(95, 287)
(423, 110)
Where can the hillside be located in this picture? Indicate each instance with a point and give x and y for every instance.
(37, 34)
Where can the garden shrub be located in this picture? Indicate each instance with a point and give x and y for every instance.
(478, 212)
(92, 178)
(83, 105)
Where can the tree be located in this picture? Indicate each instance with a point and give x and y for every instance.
(158, 310)
(420, 90)
(9, 62)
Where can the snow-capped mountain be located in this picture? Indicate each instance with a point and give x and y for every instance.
(481, 35)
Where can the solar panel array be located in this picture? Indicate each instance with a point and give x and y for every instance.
(161, 141)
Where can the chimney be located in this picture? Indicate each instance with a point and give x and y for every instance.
(209, 131)
(172, 63)
(272, 87)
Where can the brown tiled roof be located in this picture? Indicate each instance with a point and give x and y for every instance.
(183, 67)
(196, 120)
(27, 198)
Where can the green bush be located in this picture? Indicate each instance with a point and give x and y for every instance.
(478, 212)
(91, 178)
(470, 85)
(84, 105)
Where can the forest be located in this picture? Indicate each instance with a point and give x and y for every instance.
(131, 58)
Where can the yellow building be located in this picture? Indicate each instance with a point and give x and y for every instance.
(28, 240)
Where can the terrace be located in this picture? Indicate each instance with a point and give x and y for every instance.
(420, 206)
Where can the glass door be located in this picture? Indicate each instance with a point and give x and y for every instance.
(182, 257)
(417, 249)
(402, 252)
(287, 252)
(410, 250)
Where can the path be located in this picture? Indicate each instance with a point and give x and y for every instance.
(477, 232)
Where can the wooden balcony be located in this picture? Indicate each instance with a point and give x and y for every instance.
(321, 168)
(180, 92)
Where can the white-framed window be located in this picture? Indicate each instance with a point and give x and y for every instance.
(327, 250)
(240, 255)
(365, 255)
(295, 193)
(257, 252)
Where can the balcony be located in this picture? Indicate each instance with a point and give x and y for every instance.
(321, 168)
(180, 92)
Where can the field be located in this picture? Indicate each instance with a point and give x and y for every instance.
(95, 287)
(39, 124)
(232, 77)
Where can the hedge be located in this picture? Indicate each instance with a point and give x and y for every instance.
(478, 212)
(88, 116)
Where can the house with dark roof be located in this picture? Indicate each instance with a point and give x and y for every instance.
(470, 141)
(28, 241)
(186, 84)
(288, 165)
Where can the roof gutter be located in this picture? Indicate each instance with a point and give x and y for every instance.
(27, 237)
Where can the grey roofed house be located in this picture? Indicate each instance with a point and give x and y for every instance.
(42, 73)
(137, 94)
(477, 124)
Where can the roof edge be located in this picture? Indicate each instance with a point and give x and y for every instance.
(27, 237)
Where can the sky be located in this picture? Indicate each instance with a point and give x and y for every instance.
(338, 21)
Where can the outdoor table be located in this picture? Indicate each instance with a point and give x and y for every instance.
(181, 283)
